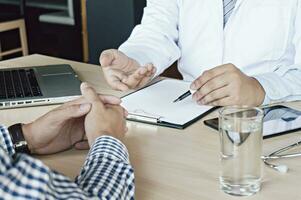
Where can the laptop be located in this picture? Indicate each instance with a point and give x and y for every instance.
(34, 86)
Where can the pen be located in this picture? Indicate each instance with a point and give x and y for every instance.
(183, 96)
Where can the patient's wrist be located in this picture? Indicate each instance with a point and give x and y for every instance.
(27, 132)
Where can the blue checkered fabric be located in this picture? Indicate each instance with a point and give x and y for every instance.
(106, 174)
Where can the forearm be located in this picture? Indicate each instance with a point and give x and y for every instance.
(27, 178)
(284, 84)
(113, 175)
(106, 174)
(281, 86)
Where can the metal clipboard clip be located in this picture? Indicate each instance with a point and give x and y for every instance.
(141, 115)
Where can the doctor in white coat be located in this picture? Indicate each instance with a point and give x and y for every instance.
(235, 52)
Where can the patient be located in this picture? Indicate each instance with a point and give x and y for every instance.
(106, 174)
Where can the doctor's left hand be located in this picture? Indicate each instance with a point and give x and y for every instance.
(226, 85)
(62, 128)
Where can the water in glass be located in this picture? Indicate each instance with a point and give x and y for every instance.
(241, 150)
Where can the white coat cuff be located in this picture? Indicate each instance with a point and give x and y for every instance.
(140, 57)
(146, 56)
(274, 94)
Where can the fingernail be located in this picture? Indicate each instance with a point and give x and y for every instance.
(85, 107)
(83, 85)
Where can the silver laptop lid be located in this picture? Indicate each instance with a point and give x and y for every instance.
(52, 84)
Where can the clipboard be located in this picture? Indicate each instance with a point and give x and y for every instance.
(154, 105)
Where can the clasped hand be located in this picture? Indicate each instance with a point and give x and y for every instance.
(76, 124)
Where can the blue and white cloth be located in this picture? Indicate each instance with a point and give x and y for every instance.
(106, 174)
(229, 6)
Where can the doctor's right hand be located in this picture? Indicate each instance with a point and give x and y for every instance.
(124, 73)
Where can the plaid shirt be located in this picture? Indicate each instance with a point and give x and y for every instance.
(106, 174)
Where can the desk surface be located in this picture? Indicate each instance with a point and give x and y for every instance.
(168, 163)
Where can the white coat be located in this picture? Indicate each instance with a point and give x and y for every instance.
(262, 38)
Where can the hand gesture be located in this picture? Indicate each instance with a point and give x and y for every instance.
(124, 73)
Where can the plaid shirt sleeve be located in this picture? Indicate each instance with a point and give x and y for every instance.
(106, 174)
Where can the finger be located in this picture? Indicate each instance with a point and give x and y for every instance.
(107, 99)
(78, 101)
(106, 58)
(134, 79)
(227, 101)
(151, 70)
(69, 112)
(126, 129)
(210, 74)
(126, 113)
(144, 81)
(115, 80)
(90, 94)
(213, 84)
(214, 96)
(120, 109)
(82, 145)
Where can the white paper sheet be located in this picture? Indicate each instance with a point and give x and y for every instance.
(157, 101)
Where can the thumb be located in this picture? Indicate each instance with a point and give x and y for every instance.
(73, 111)
(106, 58)
(91, 96)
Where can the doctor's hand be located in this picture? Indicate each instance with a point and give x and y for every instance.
(226, 85)
(63, 127)
(124, 73)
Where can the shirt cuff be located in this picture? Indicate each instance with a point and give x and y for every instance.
(140, 57)
(274, 90)
(111, 147)
(146, 57)
(6, 141)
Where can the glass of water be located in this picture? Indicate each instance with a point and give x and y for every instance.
(241, 149)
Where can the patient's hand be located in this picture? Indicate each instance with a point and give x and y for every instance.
(103, 119)
(62, 128)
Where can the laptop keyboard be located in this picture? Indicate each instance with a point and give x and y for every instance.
(18, 83)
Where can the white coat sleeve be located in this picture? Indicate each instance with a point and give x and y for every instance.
(155, 39)
(284, 84)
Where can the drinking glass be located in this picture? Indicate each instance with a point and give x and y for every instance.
(241, 149)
